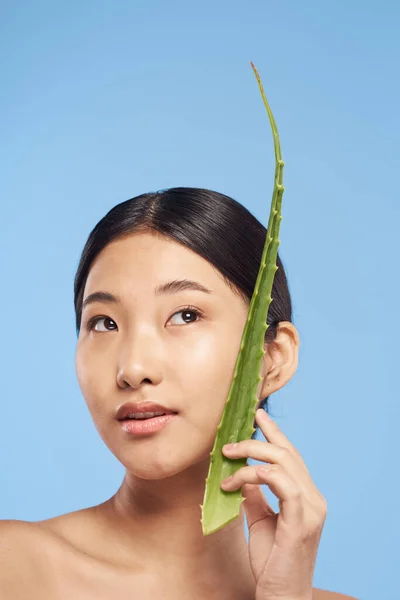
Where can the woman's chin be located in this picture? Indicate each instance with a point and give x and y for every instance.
(152, 469)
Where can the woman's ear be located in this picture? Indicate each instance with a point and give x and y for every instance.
(280, 360)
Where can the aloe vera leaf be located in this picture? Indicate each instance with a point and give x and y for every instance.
(219, 507)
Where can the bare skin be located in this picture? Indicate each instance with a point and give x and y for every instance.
(146, 540)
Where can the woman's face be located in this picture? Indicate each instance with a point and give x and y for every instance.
(145, 349)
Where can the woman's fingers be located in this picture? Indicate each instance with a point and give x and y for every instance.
(273, 434)
(267, 452)
(289, 493)
(277, 451)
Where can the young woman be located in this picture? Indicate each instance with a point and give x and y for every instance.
(162, 293)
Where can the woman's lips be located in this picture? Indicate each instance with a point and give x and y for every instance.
(143, 427)
(141, 407)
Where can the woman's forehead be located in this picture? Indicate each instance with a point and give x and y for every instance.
(160, 265)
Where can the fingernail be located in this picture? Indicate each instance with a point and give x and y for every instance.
(227, 481)
(230, 446)
(264, 468)
(265, 416)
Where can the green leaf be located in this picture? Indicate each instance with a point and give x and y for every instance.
(219, 507)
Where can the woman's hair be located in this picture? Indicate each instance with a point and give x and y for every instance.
(211, 224)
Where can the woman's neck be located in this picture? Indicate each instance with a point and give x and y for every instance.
(158, 524)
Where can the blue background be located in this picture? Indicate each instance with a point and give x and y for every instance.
(102, 101)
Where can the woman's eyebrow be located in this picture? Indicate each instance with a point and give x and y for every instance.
(179, 285)
(169, 287)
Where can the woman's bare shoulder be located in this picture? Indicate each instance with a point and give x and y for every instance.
(18, 541)
(15, 536)
(21, 539)
(319, 594)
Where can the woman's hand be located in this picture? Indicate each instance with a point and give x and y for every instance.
(282, 547)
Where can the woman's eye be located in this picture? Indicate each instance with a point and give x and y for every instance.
(187, 311)
(184, 311)
(93, 322)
